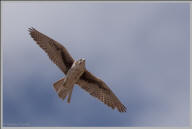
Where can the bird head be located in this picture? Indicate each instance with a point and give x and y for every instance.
(81, 62)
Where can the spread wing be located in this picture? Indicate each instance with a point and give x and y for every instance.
(56, 52)
(97, 88)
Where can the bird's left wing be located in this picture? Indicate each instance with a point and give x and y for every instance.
(97, 88)
(56, 52)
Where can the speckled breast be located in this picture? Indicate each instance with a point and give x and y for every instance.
(73, 74)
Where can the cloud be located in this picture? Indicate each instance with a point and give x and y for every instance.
(139, 50)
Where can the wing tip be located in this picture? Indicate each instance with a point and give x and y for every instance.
(31, 29)
(33, 32)
(122, 108)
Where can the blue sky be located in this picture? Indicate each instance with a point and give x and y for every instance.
(140, 50)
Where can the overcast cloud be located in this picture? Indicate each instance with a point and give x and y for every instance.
(140, 50)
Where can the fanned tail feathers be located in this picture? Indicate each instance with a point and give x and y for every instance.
(62, 91)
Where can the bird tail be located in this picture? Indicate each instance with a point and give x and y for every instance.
(63, 91)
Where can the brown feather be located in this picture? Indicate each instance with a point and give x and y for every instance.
(56, 52)
(97, 88)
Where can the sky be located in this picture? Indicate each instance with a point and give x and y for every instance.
(140, 50)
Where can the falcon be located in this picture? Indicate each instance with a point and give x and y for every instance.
(75, 73)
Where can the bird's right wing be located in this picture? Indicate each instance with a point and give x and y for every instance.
(56, 52)
(97, 88)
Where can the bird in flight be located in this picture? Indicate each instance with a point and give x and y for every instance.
(75, 73)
